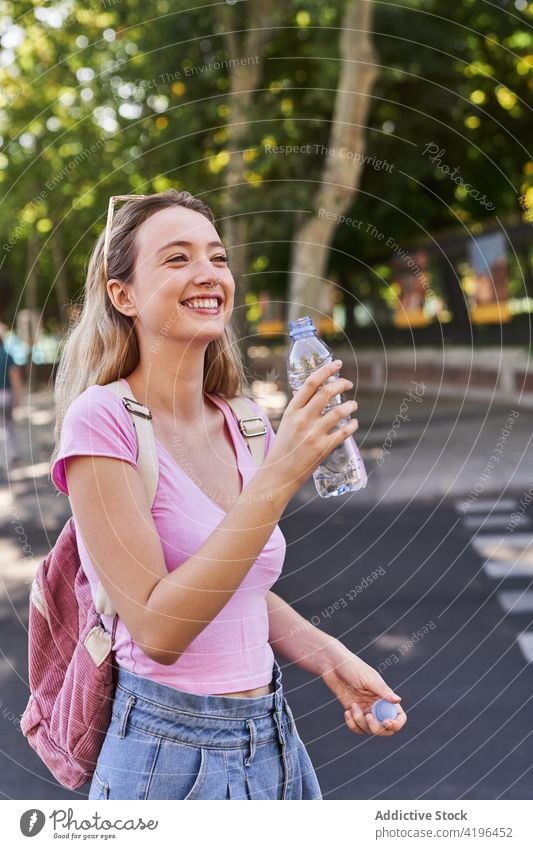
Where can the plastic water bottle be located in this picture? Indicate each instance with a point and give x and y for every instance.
(343, 470)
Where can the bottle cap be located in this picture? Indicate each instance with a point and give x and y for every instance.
(301, 325)
(382, 710)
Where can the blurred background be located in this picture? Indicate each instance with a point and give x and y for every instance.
(369, 164)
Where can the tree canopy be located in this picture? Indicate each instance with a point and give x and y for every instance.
(118, 97)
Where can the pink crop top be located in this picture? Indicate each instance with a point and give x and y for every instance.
(232, 653)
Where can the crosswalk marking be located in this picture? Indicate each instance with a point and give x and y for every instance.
(495, 521)
(516, 601)
(511, 547)
(507, 555)
(486, 504)
(496, 570)
(525, 641)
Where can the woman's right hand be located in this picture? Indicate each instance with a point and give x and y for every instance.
(305, 437)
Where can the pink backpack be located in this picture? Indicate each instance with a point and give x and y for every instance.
(71, 664)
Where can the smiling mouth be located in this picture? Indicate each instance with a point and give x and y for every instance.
(204, 305)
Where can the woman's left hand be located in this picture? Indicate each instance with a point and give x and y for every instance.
(357, 686)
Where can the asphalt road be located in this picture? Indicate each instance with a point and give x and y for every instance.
(434, 626)
(441, 618)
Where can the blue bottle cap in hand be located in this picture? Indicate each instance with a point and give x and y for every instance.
(382, 710)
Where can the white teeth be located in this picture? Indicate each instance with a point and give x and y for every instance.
(202, 303)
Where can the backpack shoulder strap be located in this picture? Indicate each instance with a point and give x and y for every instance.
(147, 452)
(253, 427)
(147, 461)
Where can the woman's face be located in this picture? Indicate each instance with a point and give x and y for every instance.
(167, 274)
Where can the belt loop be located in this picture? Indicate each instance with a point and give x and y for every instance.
(290, 715)
(278, 700)
(253, 736)
(277, 676)
(278, 718)
(122, 730)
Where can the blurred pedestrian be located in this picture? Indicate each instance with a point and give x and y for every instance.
(10, 398)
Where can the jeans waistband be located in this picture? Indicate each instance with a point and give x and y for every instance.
(209, 721)
(163, 700)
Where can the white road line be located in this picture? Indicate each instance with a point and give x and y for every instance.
(496, 521)
(488, 504)
(496, 547)
(496, 570)
(525, 641)
(509, 556)
(516, 601)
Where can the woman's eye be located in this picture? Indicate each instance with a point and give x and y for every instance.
(182, 258)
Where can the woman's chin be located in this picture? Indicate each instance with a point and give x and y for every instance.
(210, 332)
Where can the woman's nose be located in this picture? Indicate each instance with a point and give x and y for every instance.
(203, 269)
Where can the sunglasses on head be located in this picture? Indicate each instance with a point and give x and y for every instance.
(113, 200)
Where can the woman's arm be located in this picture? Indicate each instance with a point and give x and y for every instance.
(356, 684)
(164, 611)
(299, 641)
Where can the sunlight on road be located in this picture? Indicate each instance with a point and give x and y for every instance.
(271, 399)
(15, 569)
(37, 470)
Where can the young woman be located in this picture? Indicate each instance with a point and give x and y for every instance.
(199, 710)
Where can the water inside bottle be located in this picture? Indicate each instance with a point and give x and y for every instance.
(343, 470)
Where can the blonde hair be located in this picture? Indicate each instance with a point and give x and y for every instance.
(101, 345)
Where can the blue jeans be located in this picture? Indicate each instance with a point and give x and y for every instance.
(164, 743)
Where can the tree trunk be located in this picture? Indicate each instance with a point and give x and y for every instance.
(31, 298)
(341, 174)
(244, 80)
(60, 280)
(460, 328)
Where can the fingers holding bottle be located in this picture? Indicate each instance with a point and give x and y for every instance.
(311, 426)
(317, 380)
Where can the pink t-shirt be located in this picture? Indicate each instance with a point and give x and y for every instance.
(232, 653)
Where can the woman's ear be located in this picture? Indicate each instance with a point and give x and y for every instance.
(120, 297)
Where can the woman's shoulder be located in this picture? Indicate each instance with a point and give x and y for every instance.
(97, 399)
(99, 409)
(96, 423)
